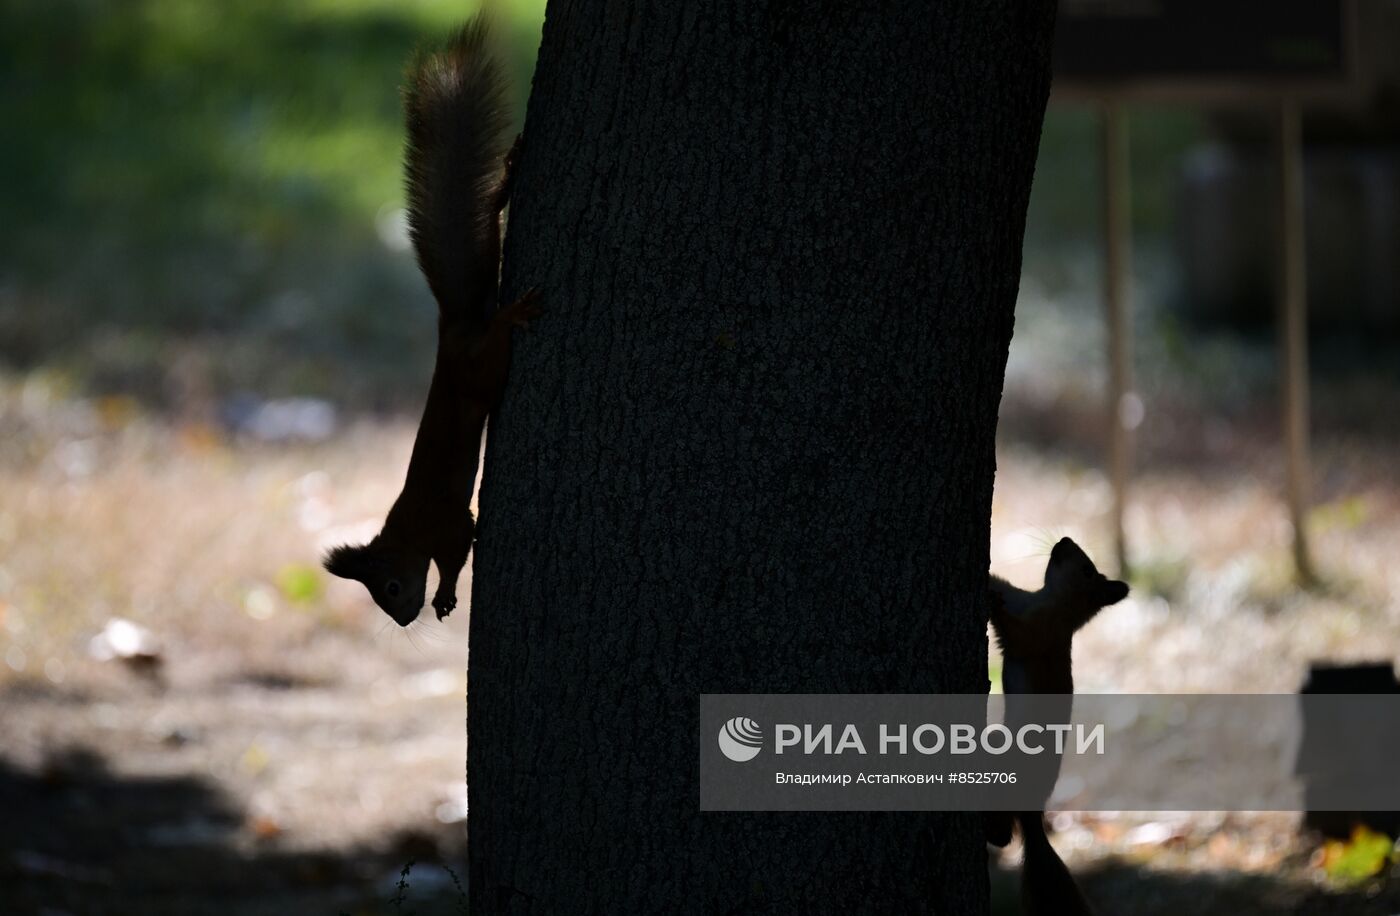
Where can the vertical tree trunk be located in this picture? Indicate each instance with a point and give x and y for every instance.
(749, 448)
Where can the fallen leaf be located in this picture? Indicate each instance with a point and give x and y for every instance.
(1363, 856)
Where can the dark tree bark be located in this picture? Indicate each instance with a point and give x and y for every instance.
(749, 447)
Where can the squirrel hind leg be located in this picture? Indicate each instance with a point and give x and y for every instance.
(1047, 887)
(523, 310)
(997, 827)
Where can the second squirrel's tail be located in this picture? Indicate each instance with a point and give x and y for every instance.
(456, 115)
(1047, 887)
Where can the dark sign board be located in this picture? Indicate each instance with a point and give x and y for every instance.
(1201, 48)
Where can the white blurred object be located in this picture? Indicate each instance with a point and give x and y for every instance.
(1154, 833)
(280, 420)
(436, 682)
(260, 603)
(391, 224)
(454, 809)
(127, 642)
(314, 493)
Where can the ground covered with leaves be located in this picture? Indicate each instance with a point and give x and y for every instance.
(195, 717)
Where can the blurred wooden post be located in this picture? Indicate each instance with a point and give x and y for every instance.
(1293, 332)
(1117, 277)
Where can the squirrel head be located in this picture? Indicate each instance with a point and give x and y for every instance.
(1071, 575)
(397, 579)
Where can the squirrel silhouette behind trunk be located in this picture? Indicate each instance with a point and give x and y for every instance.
(458, 183)
(1034, 631)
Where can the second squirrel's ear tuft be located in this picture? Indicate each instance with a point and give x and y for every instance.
(348, 561)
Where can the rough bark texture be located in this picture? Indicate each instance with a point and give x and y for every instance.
(749, 448)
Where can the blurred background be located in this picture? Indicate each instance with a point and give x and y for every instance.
(214, 343)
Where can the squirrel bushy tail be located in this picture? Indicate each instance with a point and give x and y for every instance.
(457, 119)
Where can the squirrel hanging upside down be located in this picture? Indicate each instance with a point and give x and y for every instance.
(458, 183)
(1034, 631)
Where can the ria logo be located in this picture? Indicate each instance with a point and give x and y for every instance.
(740, 739)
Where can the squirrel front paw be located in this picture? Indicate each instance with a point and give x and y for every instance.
(444, 605)
(996, 826)
(522, 310)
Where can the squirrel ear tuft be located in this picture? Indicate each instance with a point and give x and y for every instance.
(347, 561)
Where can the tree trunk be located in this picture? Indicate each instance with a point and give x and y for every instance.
(749, 447)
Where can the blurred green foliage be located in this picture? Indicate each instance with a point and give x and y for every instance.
(216, 169)
(1364, 856)
(1165, 576)
(219, 178)
(299, 583)
(1066, 198)
(1345, 514)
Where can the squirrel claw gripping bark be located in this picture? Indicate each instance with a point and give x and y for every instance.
(444, 606)
(523, 310)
